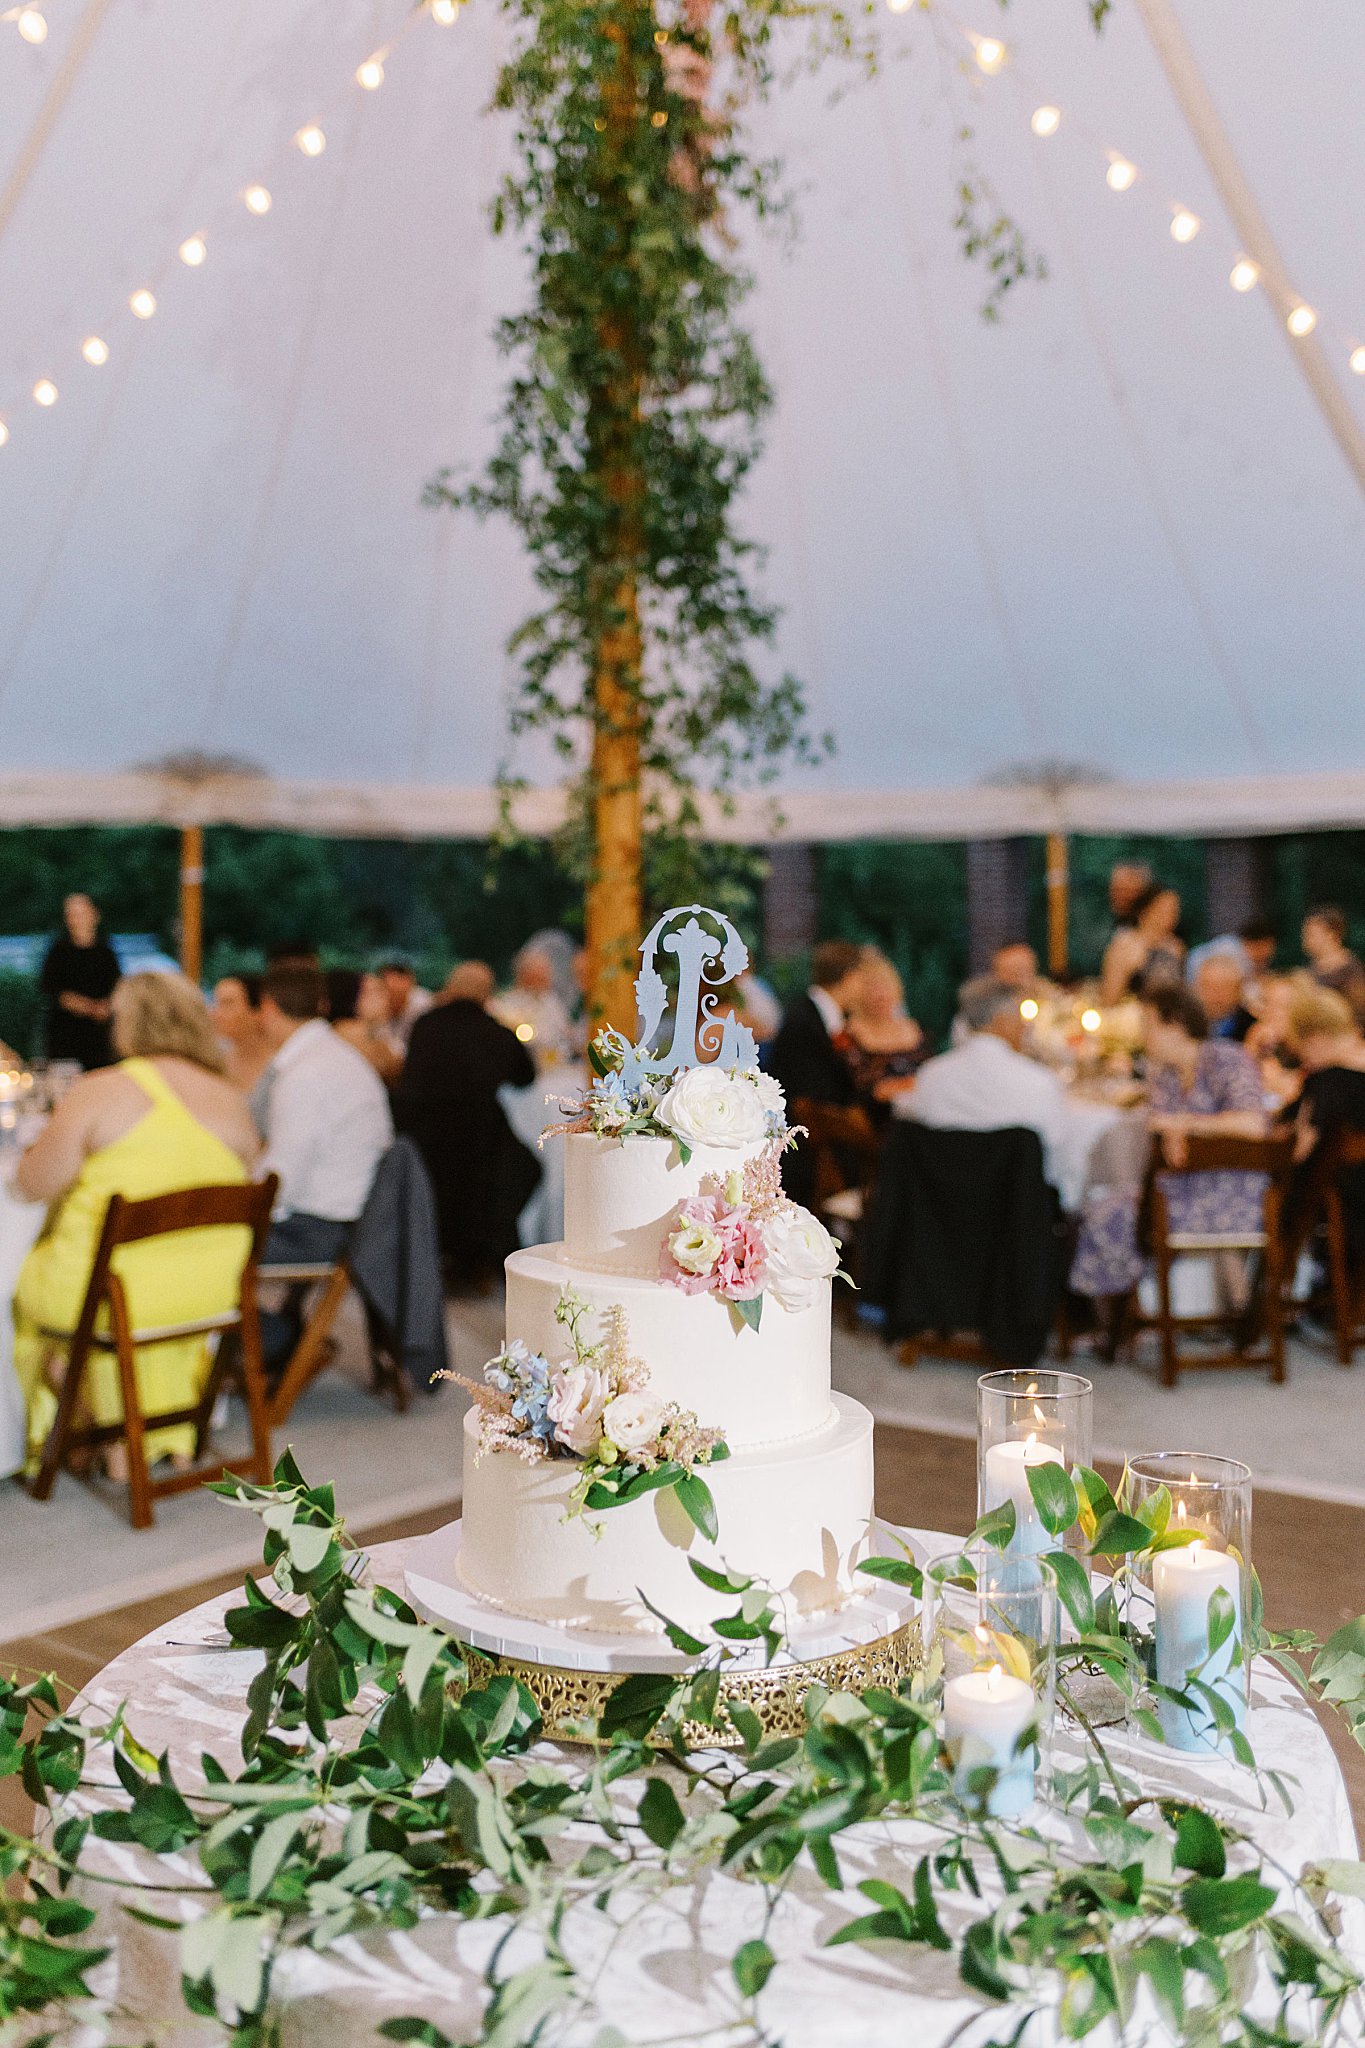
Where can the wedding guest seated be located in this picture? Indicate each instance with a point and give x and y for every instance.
(236, 1015)
(1149, 953)
(358, 1011)
(327, 1125)
(1268, 1040)
(1196, 1083)
(406, 1001)
(1252, 946)
(1218, 989)
(805, 1057)
(1330, 960)
(987, 1083)
(77, 979)
(884, 1047)
(447, 1101)
(1324, 1033)
(1129, 882)
(533, 1008)
(165, 1117)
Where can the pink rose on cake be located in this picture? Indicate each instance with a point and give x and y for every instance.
(578, 1395)
(801, 1255)
(714, 1247)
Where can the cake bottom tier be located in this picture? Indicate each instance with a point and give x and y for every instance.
(797, 1517)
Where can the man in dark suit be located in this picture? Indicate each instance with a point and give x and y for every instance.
(446, 1100)
(804, 1056)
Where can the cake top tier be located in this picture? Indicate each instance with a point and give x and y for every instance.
(621, 1195)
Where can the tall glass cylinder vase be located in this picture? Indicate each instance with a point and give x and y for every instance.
(1200, 1590)
(990, 1624)
(1024, 1420)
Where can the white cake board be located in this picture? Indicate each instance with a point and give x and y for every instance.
(434, 1589)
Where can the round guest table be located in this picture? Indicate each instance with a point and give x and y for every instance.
(662, 1972)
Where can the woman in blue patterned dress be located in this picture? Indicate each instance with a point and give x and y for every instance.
(1196, 1083)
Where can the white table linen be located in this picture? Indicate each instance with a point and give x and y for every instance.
(666, 1973)
(20, 1223)
(531, 1112)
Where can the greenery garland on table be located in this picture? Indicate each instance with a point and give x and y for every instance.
(375, 1791)
(634, 415)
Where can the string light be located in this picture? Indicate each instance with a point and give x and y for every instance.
(990, 54)
(257, 200)
(1244, 274)
(45, 391)
(1358, 361)
(193, 250)
(4, 433)
(32, 25)
(1301, 322)
(1184, 225)
(311, 140)
(447, 12)
(95, 351)
(143, 304)
(1121, 176)
(1046, 120)
(900, 6)
(371, 74)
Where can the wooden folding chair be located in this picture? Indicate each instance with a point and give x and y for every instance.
(312, 1353)
(1343, 1151)
(1263, 1317)
(846, 1148)
(105, 1324)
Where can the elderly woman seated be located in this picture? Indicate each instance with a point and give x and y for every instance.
(164, 1118)
(1196, 1084)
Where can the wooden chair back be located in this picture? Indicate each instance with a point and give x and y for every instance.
(844, 1143)
(245, 1205)
(1343, 1151)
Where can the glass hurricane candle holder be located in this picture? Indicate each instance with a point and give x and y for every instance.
(990, 1622)
(1199, 1649)
(1026, 1419)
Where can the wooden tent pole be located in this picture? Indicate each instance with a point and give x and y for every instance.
(192, 901)
(1058, 905)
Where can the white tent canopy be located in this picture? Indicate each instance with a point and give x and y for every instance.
(1097, 568)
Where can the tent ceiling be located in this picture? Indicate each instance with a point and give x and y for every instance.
(1112, 532)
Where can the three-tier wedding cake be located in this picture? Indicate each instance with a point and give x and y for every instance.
(664, 1394)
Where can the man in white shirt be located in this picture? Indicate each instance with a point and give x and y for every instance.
(407, 1002)
(987, 1084)
(327, 1122)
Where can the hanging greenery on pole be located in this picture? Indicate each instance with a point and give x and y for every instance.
(632, 419)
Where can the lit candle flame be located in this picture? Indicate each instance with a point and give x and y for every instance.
(993, 1678)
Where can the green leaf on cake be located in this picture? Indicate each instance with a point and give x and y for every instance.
(694, 1498)
(748, 1313)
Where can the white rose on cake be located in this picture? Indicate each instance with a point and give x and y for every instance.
(578, 1395)
(772, 1095)
(708, 1106)
(800, 1254)
(694, 1246)
(632, 1421)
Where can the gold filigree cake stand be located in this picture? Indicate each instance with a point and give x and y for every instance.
(571, 1701)
(571, 1673)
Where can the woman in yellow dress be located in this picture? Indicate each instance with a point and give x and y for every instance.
(164, 1118)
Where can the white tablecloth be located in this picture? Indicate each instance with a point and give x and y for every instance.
(530, 1112)
(667, 1974)
(20, 1223)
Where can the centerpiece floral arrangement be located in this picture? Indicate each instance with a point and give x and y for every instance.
(595, 1406)
(743, 1238)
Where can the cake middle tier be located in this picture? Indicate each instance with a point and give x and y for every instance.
(763, 1386)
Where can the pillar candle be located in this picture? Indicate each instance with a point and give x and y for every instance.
(984, 1714)
(1006, 1478)
(1182, 1583)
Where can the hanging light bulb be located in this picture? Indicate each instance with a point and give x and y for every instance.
(1301, 321)
(4, 433)
(1184, 225)
(1121, 175)
(900, 6)
(447, 12)
(1358, 361)
(95, 351)
(143, 304)
(371, 74)
(257, 200)
(990, 54)
(1244, 274)
(1046, 120)
(311, 140)
(32, 25)
(193, 250)
(45, 391)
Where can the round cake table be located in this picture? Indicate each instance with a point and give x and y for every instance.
(662, 1973)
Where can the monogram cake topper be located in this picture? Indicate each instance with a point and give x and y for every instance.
(709, 953)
